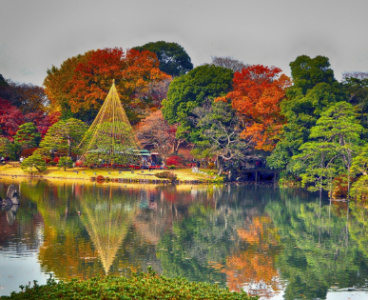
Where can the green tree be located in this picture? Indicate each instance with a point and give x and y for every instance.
(65, 162)
(308, 72)
(219, 134)
(174, 60)
(357, 87)
(3, 82)
(33, 162)
(6, 148)
(27, 136)
(314, 91)
(336, 137)
(191, 90)
(64, 135)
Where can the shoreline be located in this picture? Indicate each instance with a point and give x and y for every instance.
(184, 176)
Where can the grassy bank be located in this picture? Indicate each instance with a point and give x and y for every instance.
(143, 286)
(183, 175)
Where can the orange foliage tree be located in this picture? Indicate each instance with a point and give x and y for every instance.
(257, 92)
(81, 84)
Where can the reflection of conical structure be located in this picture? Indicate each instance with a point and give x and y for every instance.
(107, 222)
(110, 137)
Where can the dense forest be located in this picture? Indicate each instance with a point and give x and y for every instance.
(310, 127)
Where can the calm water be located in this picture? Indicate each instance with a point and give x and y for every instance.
(277, 243)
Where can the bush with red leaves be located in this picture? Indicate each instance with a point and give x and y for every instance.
(28, 152)
(174, 160)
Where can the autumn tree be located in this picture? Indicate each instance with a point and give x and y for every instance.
(155, 131)
(10, 119)
(42, 120)
(58, 85)
(26, 97)
(79, 87)
(174, 60)
(256, 96)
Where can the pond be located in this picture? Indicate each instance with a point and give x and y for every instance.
(273, 242)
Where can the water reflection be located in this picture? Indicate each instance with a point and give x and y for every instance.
(264, 240)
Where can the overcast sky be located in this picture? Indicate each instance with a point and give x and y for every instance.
(36, 34)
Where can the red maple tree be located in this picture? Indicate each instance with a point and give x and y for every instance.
(10, 119)
(256, 96)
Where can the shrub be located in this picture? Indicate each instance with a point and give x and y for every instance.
(28, 152)
(100, 178)
(174, 160)
(56, 159)
(65, 162)
(32, 163)
(139, 286)
(172, 167)
(167, 175)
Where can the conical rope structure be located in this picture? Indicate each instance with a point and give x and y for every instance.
(110, 139)
(107, 219)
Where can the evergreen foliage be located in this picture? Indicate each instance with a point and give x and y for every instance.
(191, 90)
(65, 162)
(140, 286)
(174, 60)
(34, 163)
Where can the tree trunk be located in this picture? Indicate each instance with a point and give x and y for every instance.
(176, 145)
(69, 147)
(220, 165)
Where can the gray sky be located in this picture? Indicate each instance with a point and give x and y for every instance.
(36, 34)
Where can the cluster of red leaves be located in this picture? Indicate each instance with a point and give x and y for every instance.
(11, 118)
(256, 96)
(174, 160)
(42, 121)
(28, 152)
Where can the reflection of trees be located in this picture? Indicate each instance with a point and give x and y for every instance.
(199, 242)
(19, 226)
(66, 250)
(317, 253)
(209, 243)
(253, 265)
(107, 217)
(232, 235)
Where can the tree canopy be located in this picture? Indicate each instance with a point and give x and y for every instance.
(79, 87)
(256, 96)
(174, 60)
(191, 90)
(314, 90)
(64, 135)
